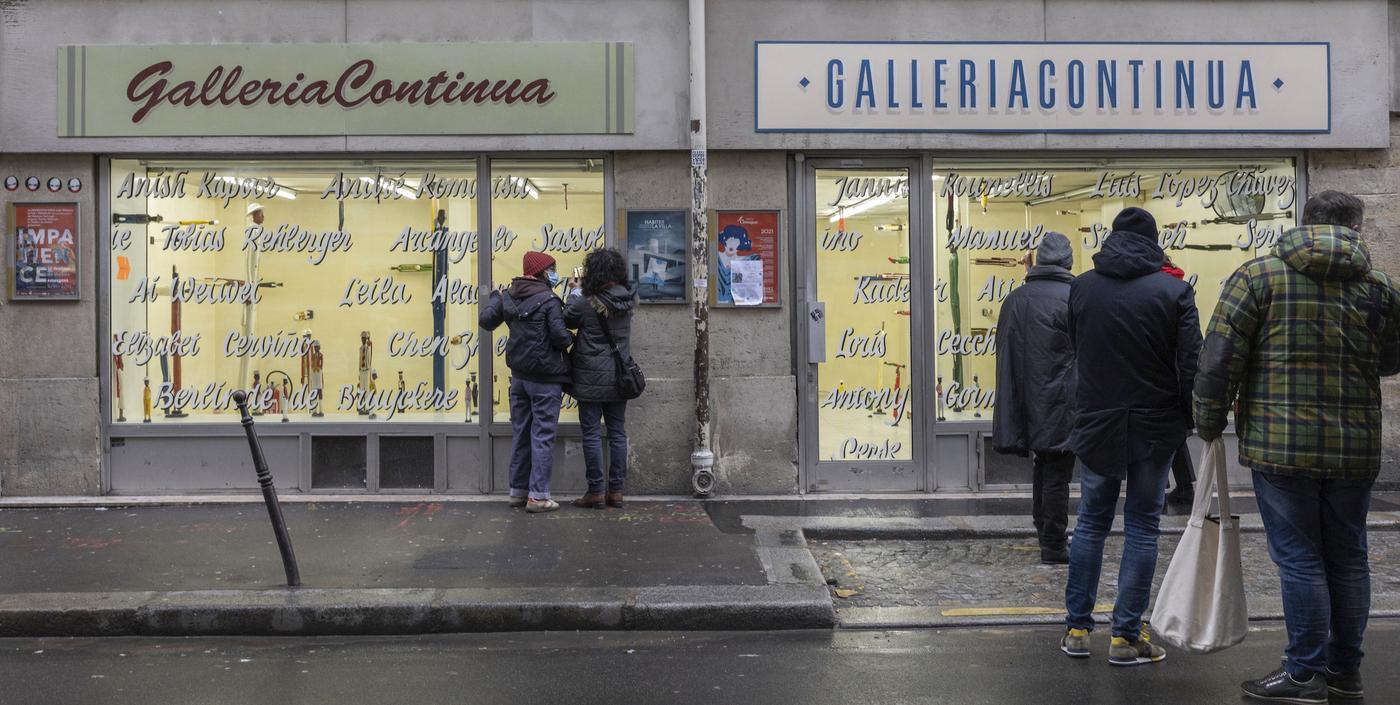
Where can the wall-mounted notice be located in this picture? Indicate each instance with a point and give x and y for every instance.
(43, 251)
(745, 236)
(1042, 87)
(657, 254)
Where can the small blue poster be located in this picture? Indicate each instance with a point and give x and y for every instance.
(656, 255)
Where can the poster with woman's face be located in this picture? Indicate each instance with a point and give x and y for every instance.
(750, 237)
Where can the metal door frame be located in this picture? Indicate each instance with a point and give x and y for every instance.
(813, 466)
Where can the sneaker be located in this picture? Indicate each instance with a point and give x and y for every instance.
(539, 506)
(1279, 687)
(1122, 652)
(517, 502)
(1076, 643)
(1344, 685)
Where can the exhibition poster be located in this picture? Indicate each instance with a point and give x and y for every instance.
(656, 254)
(44, 251)
(746, 236)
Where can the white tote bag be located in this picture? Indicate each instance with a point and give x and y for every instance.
(1201, 604)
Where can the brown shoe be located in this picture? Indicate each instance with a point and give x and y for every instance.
(591, 501)
(615, 499)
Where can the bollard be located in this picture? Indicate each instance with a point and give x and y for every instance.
(274, 510)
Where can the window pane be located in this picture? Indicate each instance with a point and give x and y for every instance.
(863, 278)
(553, 206)
(333, 290)
(1213, 216)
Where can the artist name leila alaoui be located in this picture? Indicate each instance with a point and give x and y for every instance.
(355, 86)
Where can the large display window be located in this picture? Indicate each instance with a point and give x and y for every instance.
(333, 290)
(1213, 215)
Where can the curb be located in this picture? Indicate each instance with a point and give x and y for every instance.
(975, 527)
(337, 612)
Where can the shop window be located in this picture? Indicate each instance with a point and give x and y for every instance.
(864, 388)
(554, 206)
(405, 462)
(988, 217)
(333, 290)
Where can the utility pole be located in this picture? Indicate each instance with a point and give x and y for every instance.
(702, 458)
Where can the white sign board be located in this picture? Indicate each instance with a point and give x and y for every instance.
(1041, 87)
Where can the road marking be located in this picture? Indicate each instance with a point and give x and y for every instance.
(1011, 611)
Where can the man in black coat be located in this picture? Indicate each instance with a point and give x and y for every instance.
(1035, 387)
(1136, 335)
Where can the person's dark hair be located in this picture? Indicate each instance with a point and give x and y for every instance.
(1334, 208)
(602, 268)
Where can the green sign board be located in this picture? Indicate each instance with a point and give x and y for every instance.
(346, 89)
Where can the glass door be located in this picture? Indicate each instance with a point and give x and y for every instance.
(861, 255)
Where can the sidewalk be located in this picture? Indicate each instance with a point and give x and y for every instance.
(473, 565)
(380, 567)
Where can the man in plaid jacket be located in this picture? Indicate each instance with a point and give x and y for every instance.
(1302, 336)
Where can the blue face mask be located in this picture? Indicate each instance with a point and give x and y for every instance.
(553, 278)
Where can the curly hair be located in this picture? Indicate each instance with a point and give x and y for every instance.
(602, 268)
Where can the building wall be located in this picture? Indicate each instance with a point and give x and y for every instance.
(1373, 175)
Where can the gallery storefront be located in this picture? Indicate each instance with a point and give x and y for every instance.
(316, 219)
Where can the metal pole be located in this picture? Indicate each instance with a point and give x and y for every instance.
(702, 459)
(274, 510)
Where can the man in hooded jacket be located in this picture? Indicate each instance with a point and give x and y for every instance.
(1035, 388)
(1136, 335)
(1302, 336)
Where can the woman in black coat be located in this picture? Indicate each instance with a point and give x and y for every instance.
(601, 299)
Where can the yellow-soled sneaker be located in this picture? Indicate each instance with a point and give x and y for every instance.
(1122, 652)
(1076, 643)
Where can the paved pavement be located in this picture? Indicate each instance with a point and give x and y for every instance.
(954, 581)
(989, 666)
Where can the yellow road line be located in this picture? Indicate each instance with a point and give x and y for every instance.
(1011, 611)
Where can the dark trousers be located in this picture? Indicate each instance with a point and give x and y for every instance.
(1183, 472)
(1317, 537)
(1050, 498)
(592, 417)
(534, 418)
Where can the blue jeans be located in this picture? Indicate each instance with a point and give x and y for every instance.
(534, 417)
(1142, 512)
(1317, 537)
(591, 417)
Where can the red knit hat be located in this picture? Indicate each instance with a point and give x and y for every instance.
(536, 262)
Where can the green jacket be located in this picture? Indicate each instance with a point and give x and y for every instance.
(1303, 336)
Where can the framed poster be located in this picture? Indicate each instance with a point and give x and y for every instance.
(658, 262)
(744, 249)
(43, 249)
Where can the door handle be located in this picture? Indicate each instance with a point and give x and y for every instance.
(816, 332)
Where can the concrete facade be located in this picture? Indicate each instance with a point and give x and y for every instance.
(53, 448)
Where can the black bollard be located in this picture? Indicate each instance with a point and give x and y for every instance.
(274, 510)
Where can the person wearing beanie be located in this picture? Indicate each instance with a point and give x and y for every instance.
(1035, 388)
(538, 358)
(1136, 335)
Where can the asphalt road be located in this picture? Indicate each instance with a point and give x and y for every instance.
(953, 666)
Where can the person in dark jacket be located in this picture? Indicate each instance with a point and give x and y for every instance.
(1035, 384)
(601, 299)
(1301, 338)
(1136, 336)
(1183, 472)
(537, 356)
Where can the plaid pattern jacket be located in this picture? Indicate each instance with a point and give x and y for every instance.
(1302, 336)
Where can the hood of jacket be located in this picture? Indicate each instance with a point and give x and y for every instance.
(1177, 272)
(1127, 255)
(617, 300)
(1050, 272)
(1325, 251)
(522, 288)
